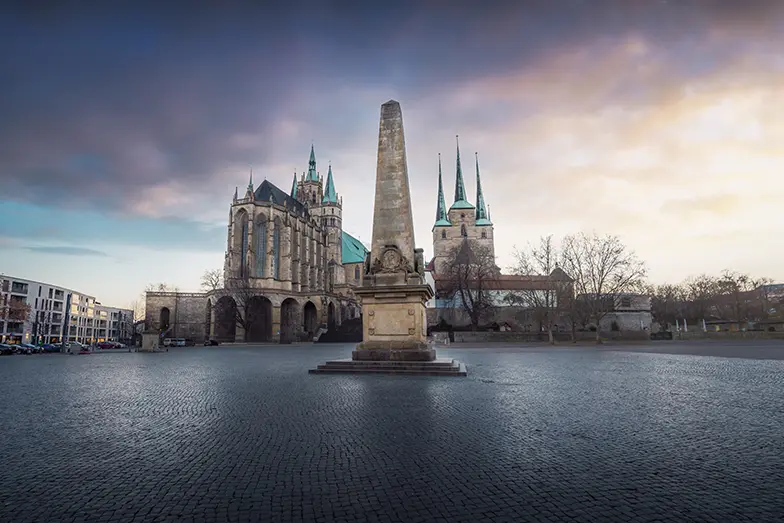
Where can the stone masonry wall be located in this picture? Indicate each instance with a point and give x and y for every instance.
(187, 313)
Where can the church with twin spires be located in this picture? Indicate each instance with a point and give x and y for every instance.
(462, 220)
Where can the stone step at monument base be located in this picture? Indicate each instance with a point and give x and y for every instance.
(439, 367)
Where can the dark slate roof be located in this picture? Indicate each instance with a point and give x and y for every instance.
(267, 189)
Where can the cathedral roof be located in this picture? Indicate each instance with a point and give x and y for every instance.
(312, 173)
(353, 250)
(442, 219)
(294, 187)
(460, 193)
(268, 191)
(330, 196)
(482, 216)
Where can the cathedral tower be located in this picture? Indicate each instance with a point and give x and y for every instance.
(332, 220)
(310, 190)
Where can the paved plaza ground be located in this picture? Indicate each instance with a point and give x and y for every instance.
(533, 434)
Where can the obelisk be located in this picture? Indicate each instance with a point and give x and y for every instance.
(394, 292)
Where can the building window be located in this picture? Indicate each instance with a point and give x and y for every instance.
(356, 273)
(244, 245)
(276, 251)
(484, 234)
(462, 216)
(626, 302)
(463, 231)
(443, 234)
(261, 248)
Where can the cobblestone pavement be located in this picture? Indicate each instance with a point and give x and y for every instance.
(246, 434)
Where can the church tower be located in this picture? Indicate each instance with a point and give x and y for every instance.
(462, 220)
(332, 220)
(310, 189)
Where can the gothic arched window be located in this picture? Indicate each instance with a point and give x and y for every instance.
(261, 247)
(484, 234)
(243, 244)
(463, 231)
(443, 234)
(276, 250)
(356, 273)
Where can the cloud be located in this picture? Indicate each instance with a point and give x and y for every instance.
(67, 250)
(621, 137)
(139, 111)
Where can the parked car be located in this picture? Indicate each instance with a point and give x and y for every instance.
(35, 349)
(22, 349)
(211, 343)
(6, 350)
(51, 347)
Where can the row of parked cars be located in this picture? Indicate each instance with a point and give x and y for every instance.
(27, 348)
(71, 347)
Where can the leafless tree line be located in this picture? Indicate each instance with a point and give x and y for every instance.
(731, 296)
(597, 269)
(585, 277)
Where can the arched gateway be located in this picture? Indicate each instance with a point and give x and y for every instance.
(258, 319)
(289, 320)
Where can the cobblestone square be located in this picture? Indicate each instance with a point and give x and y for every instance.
(533, 434)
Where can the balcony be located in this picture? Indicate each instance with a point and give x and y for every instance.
(19, 288)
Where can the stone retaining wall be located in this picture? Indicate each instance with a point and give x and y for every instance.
(728, 335)
(531, 337)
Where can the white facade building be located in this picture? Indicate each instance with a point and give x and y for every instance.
(56, 313)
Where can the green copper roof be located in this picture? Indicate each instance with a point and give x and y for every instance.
(330, 196)
(482, 217)
(294, 187)
(353, 250)
(442, 218)
(460, 193)
(312, 174)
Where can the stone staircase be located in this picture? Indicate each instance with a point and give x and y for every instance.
(438, 367)
(350, 331)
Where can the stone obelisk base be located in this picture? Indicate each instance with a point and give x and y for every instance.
(394, 324)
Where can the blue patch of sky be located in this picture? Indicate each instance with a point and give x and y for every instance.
(41, 224)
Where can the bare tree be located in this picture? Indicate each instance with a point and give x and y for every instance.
(549, 295)
(741, 300)
(242, 293)
(701, 296)
(15, 310)
(468, 280)
(212, 280)
(668, 303)
(138, 307)
(604, 270)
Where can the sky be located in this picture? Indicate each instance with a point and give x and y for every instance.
(125, 129)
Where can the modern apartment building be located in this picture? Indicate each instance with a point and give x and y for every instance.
(36, 312)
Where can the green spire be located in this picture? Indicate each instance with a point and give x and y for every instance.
(482, 216)
(330, 196)
(312, 174)
(460, 193)
(441, 216)
(294, 187)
